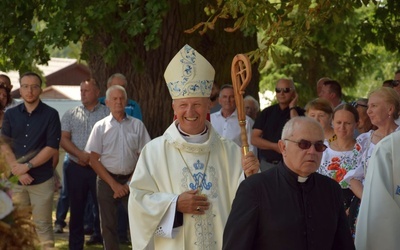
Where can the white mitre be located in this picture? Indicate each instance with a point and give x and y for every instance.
(189, 74)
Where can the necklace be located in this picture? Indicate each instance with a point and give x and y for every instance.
(348, 145)
(199, 186)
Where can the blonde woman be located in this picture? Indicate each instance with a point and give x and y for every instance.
(383, 110)
(321, 110)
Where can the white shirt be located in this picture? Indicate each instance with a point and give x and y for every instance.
(118, 143)
(229, 127)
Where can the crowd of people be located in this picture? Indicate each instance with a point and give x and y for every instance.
(325, 176)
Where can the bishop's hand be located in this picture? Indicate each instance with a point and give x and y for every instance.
(190, 202)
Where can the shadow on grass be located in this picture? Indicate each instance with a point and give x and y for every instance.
(62, 244)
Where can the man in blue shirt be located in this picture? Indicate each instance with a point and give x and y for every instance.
(33, 130)
(132, 108)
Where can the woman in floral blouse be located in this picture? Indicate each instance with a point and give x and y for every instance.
(337, 158)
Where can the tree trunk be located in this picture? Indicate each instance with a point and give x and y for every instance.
(145, 70)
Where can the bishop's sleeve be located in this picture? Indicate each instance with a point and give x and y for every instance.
(147, 205)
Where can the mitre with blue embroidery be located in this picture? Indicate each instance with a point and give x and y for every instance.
(189, 74)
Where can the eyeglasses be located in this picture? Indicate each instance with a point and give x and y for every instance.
(285, 90)
(304, 144)
(356, 104)
(395, 83)
(31, 87)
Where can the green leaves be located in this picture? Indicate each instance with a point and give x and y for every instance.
(108, 27)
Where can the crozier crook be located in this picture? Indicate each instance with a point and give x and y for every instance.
(241, 76)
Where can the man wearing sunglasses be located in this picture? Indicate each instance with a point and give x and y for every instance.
(290, 206)
(268, 125)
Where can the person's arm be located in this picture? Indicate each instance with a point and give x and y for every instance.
(42, 157)
(293, 105)
(56, 158)
(24, 179)
(357, 187)
(259, 142)
(250, 164)
(120, 190)
(70, 148)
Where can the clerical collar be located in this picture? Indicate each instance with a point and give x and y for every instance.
(301, 179)
(293, 176)
(199, 138)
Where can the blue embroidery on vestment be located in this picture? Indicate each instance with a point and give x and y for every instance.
(198, 165)
(199, 183)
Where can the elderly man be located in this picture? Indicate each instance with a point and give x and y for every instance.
(251, 106)
(225, 121)
(268, 125)
(291, 206)
(185, 180)
(378, 224)
(114, 146)
(132, 108)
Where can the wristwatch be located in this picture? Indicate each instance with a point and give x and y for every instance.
(30, 165)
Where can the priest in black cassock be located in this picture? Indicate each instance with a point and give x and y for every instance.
(290, 206)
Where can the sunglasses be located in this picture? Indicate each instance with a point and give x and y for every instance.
(395, 83)
(285, 90)
(356, 104)
(304, 144)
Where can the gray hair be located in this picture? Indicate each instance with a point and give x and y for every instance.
(119, 75)
(116, 87)
(250, 98)
(290, 126)
(287, 80)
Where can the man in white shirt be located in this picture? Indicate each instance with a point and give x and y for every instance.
(225, 121)
(114, 146)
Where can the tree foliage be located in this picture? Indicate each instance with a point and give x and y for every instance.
(303, 39)
(309, 39)
(135, 37)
